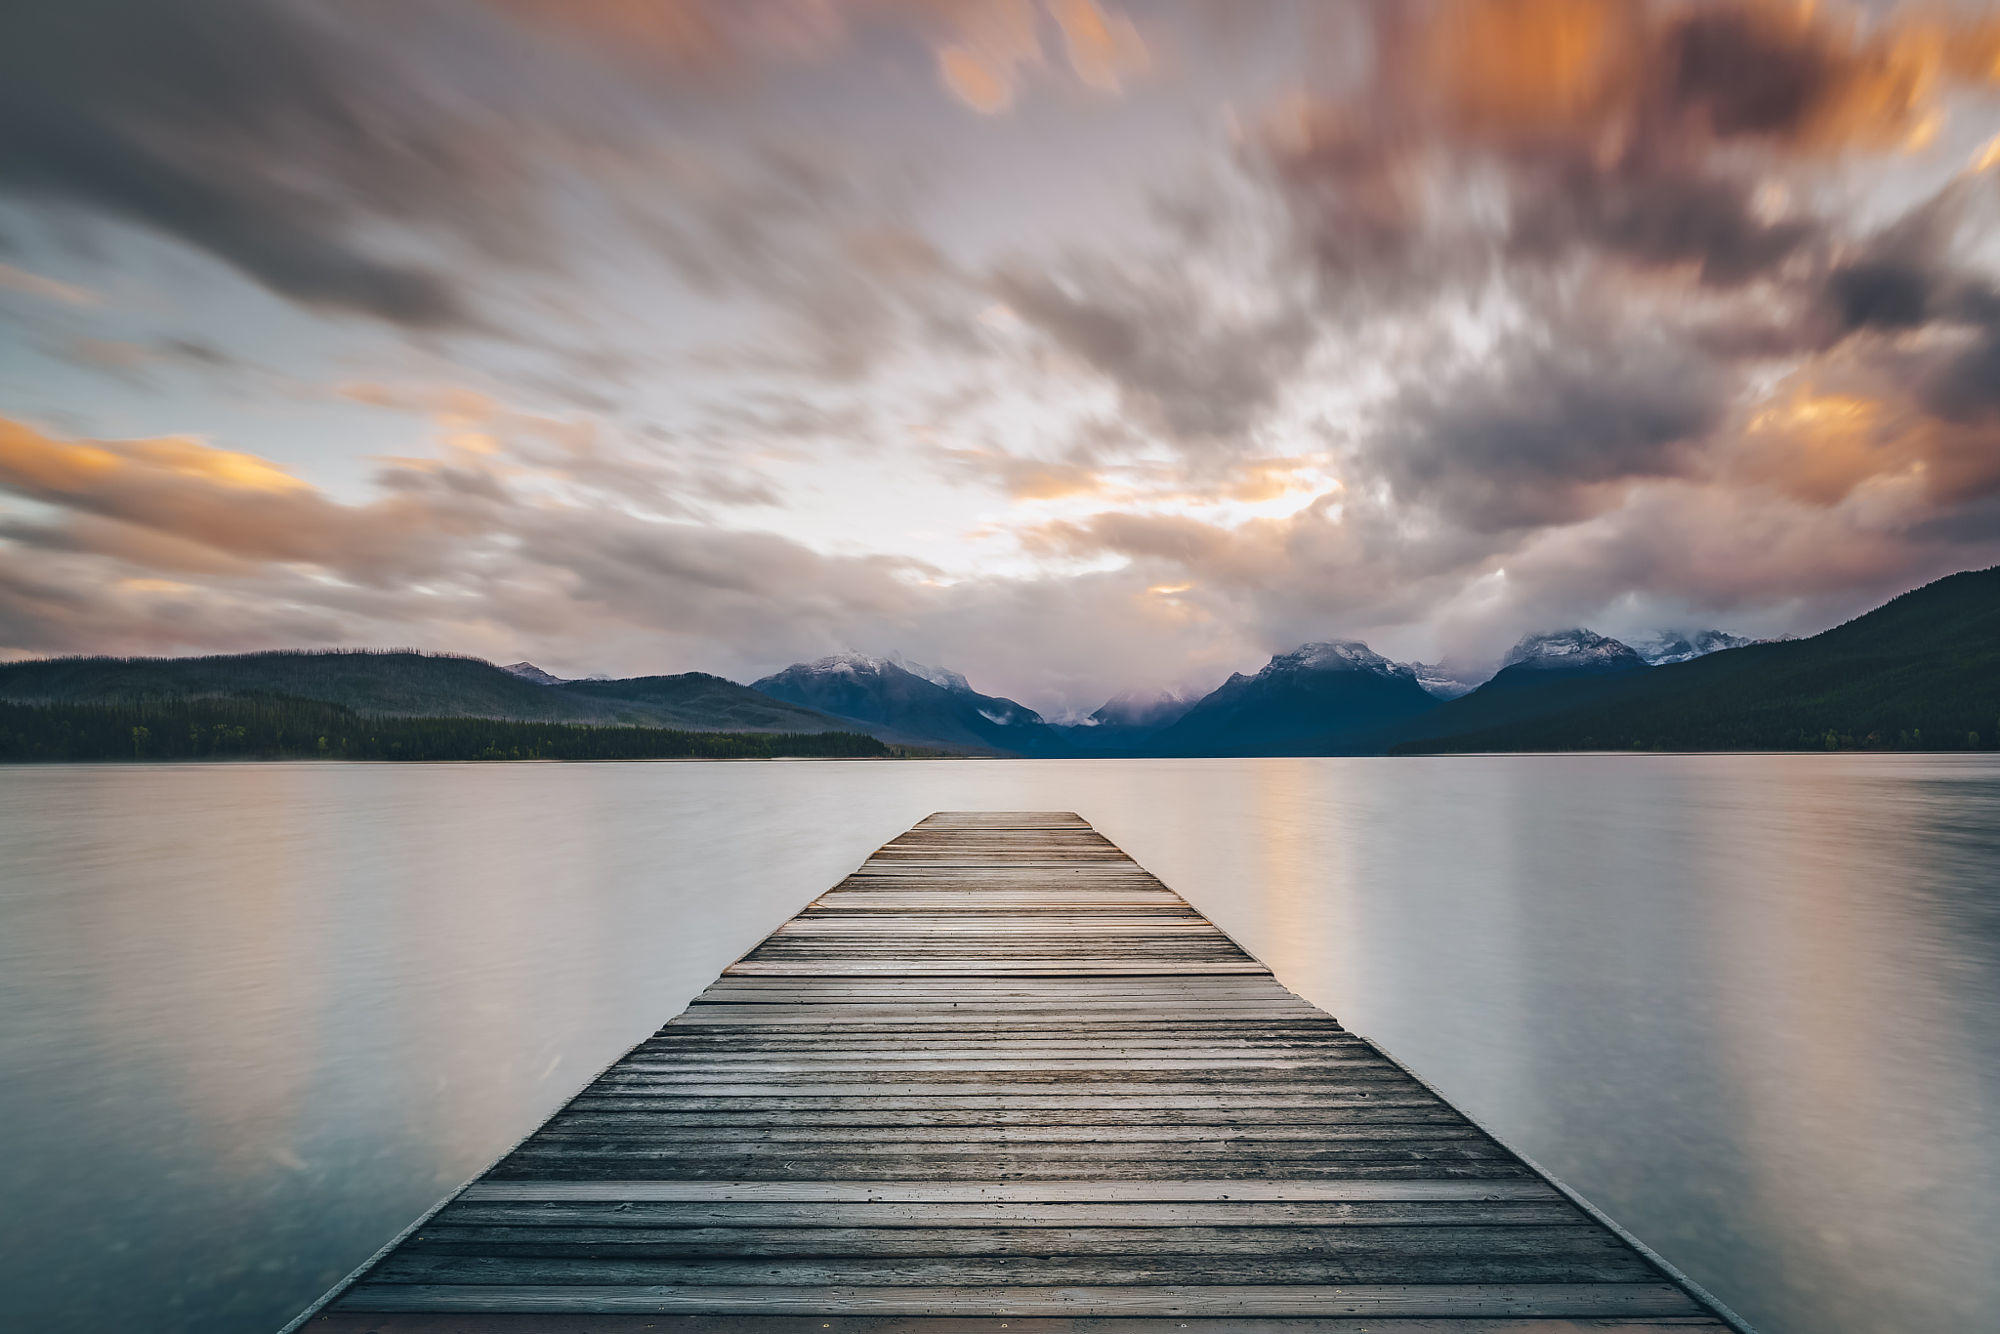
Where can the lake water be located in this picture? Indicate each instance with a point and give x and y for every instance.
(255, 1018)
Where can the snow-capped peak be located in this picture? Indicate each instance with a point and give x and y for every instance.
(937, 676)
(1346, 655)
(1665, 646)
(527, 671)
(1571, 649)
(1442, 681)
(867, 664)
(843, 664)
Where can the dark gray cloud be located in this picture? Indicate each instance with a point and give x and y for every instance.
(1653, 216)
(250, 129)
(1915, 276)
(1882, 294)
(1966, 388)
(1745, 71)
(1530, 437)
(1183, 365)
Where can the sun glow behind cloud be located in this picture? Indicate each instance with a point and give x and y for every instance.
(1258, 489)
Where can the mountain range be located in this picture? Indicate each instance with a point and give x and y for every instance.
(912, 703)
(414, 685)
(1922, 671)
(1319, 699)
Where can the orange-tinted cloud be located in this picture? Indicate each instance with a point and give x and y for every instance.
(1821, 445)
(1668, 138)
(236, 504)
(68, 467)
(1514, 65)
(983, 84)
(255, 555)
(693, 35)
(1809, 77)
(1103, 46)
(984, 49)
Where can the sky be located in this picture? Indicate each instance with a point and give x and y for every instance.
(1075, 344)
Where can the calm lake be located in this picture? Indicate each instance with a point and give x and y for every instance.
(254, 1018)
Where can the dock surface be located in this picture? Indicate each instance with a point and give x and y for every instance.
(1002, 1078)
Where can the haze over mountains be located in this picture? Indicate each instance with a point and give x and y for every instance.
(1921, 672)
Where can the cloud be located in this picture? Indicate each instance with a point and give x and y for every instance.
(1104, 46)
(1187, 361)
(472, 549)
(984, 50)
(1544, 130)
(237, 505)
(989, 48)
(1518, 313)
(1881, 294)
(1542, 432)
(194, 120)
(134, 361)
(488, 442)
(48, 289)
(818, 243)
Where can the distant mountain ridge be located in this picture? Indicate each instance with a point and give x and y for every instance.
(527, 671)
(1318, 699)
(938, 705)
(1669, 646)
(1921, 671)
(1541, 673)
(1575, 650)
(413, 685)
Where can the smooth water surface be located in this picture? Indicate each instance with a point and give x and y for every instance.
(255, 1018)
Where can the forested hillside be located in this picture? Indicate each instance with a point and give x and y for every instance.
(280, 727)
(1919, 673)
(412, 684)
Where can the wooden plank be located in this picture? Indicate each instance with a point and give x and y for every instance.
(1003, 1071)
(943, 1266)
(503, 1322)
(1379, 1300)
(1094, 1192)
(1027, 1216)
(1034, 967)
(1568, 1242)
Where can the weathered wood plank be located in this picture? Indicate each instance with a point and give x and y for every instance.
(1001, 1070)
(942, 1267)
(1380, 1300)
(557, 1322)
(1027, 1216)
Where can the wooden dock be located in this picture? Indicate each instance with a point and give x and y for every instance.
(1002, 1078)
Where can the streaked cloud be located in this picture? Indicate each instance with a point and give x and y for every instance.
(48, 289)
(1071, 343)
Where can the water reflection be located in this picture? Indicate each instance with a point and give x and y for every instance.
(254, 1018)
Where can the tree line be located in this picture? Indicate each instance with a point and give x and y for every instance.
(1712, 723)
(284, 727)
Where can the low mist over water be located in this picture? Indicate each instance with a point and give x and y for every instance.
(258, 1017)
